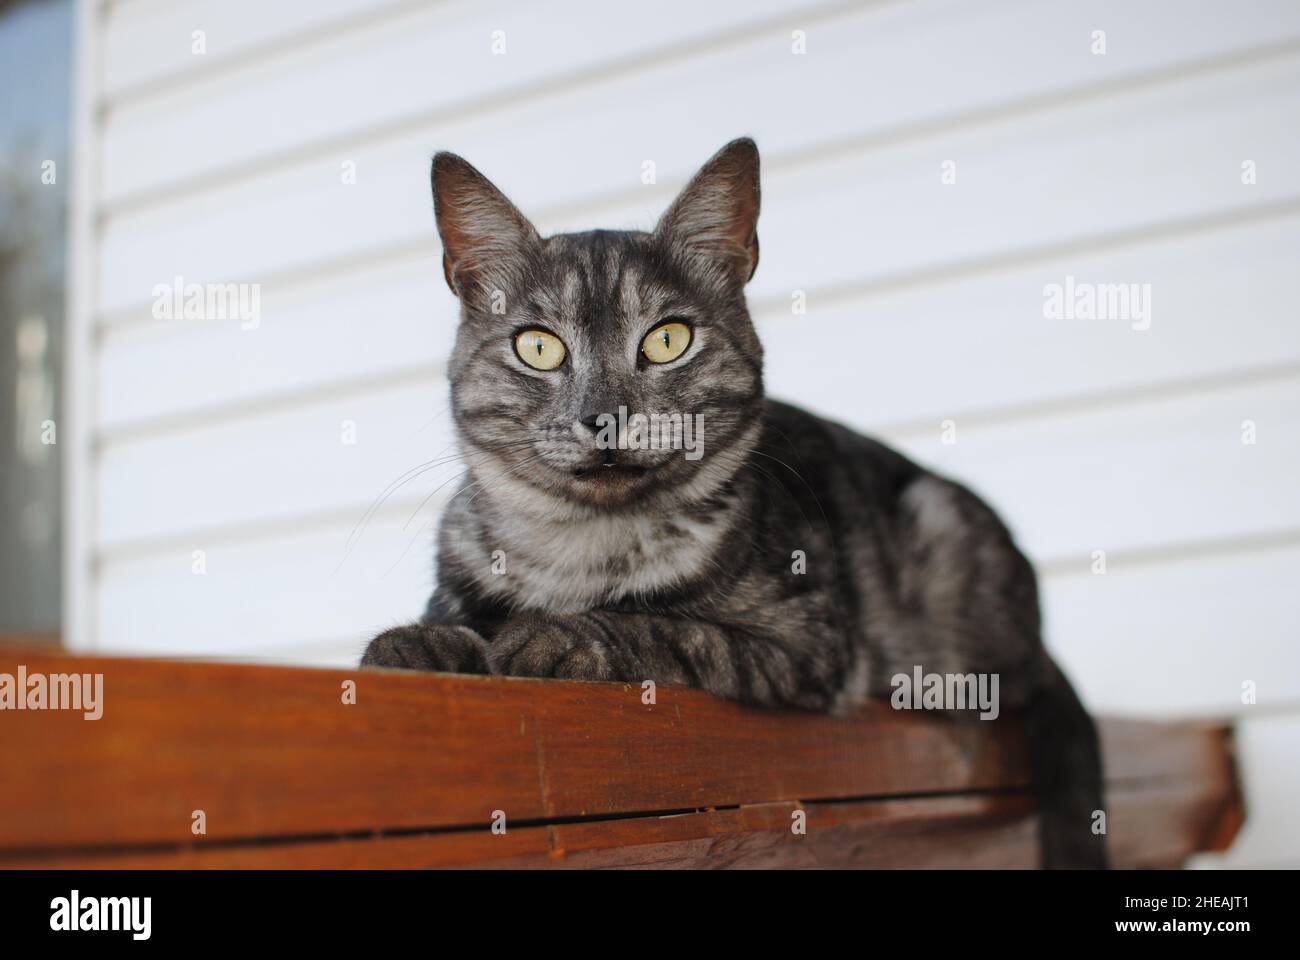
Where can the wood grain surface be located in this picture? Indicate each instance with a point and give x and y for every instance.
(413, 773)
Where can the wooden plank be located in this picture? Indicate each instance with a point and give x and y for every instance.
(1266, 738)
(265, 751)
(1149, 828)
(1143, 752)
(44, 642)
(939, 832)
(413, 773)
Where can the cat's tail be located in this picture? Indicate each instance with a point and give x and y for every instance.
(1065, 759)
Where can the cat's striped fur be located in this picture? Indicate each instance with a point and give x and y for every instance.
(795, 564)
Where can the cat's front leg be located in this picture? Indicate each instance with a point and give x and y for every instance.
(804, 670)
(586, 646)
(439, 647)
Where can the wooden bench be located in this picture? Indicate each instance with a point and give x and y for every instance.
(416, 771)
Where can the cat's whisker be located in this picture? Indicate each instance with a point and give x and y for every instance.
(394, 484)
(502, 478)
(425, 502)
(425, 528)
(480, 455)
(830, 533)
(412, 474)
(743, 462)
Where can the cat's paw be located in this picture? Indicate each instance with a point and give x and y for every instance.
(561, 647)
(437, 647)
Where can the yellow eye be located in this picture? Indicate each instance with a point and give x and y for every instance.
(539, 349)
(666, 342)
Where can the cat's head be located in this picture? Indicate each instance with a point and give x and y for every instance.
(556, 332)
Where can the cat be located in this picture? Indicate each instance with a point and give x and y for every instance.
(791, 563)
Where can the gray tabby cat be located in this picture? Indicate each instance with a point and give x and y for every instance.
(626, 562)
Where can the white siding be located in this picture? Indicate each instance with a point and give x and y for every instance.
(925, 300)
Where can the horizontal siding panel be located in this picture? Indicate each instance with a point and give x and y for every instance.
(1222, 301)
(1149, 639)
(1132, 475)
(428, 60)
(1021, 184)
(1117, 478)
(1180, 637)
(930, 59)
(145, 43)
(278, 467)
(310, 340)
(1222, 304)
(1030, 185)
(270, 597)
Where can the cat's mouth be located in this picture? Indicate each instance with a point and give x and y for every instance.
(609, 478)
(614, 470)
(607, 472)
(612, 482)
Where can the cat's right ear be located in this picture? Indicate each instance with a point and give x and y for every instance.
(486, 241)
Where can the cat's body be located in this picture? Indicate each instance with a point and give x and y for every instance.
(795, 563)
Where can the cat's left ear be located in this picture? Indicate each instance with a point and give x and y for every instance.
(715, 218)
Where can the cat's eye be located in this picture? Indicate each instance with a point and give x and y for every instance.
(539, 349)
(666, 342)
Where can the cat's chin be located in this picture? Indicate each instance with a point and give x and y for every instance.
(610, 485)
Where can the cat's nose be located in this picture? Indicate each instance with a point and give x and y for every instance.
(592, 422)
